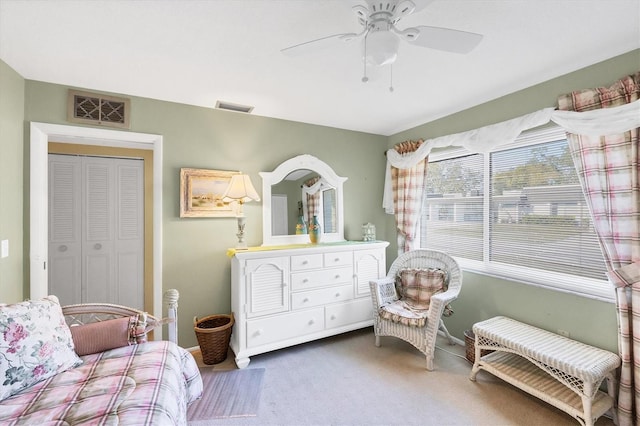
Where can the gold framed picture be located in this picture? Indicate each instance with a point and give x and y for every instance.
(201, 193)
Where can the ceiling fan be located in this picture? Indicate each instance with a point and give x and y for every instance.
(381, 38)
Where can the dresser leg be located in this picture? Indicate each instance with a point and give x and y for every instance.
(242, 362)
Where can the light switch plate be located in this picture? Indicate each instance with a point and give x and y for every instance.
(4, 248)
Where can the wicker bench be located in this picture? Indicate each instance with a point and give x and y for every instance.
(565, 373)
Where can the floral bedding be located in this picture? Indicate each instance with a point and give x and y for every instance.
(145, 384)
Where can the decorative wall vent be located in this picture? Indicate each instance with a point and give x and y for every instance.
(96, 109)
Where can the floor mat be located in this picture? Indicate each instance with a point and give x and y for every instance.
(234, 393)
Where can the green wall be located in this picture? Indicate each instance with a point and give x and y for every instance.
(194, 259)
(11, 182)
(587, 320)
(482, 297)
(525, 101)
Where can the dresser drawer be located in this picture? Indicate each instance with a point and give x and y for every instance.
(349, 313)
(341, 258)
(321, 278)
(284, 326)
(303, 262)
(308, 299)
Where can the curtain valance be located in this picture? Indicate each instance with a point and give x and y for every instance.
(314, 185)
(600, 122)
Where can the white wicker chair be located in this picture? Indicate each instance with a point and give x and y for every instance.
(383, 291)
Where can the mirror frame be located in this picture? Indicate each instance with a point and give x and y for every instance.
(269, 179)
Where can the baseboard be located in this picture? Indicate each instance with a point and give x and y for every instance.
(440, 333)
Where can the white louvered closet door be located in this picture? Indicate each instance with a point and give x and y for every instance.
(65, 228)
(104, 208)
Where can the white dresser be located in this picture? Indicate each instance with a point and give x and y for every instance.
(286, 296)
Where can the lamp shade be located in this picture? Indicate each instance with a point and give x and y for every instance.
(240, 189)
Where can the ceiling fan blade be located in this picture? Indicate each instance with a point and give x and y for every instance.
(404, 8)
(421, 4)
(318, 44)
(446, 39)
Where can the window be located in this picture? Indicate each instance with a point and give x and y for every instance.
(517, 212)
(329, 210)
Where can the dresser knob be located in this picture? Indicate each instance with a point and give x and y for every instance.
(337, 276)
(333, 317)
(305, 300)
(304, 262)
(338, 294)
(306, 280)
(258, 332)
(337, 259)
(62, 248)
(311, 322)
(97, 246)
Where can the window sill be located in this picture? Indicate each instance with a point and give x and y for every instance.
(579, 286)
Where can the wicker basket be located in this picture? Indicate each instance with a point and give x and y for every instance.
(470, 346)
(213, 333)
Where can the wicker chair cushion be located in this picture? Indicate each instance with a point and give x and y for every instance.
(402, 312)
(416, 285)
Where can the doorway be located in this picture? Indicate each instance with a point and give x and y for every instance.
(40, 135)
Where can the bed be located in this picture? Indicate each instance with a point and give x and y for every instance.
(113, 377)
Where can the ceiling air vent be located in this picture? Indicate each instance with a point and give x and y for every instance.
(96, 109)
(233, 107)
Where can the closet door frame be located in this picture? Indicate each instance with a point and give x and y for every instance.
(40, 134)
(138, 154)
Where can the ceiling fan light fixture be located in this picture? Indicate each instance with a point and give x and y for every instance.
(380, 48)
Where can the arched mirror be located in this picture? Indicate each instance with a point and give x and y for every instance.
(297, 190)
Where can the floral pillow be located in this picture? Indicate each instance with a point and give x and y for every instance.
(35, 344)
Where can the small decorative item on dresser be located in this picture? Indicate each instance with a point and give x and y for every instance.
(301, 226)
(315, 231)
(368, 232)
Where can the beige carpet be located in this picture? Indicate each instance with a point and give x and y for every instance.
(228, 394)
(346, 380)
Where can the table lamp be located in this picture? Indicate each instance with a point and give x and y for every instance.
(241, 190)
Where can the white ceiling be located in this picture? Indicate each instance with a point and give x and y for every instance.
(199, 52)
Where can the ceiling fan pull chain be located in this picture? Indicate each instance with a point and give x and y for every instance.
(391, 78)
(364, 60)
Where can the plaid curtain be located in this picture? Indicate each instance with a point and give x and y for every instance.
(408, 191)
(608, 167)
(313, 200)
